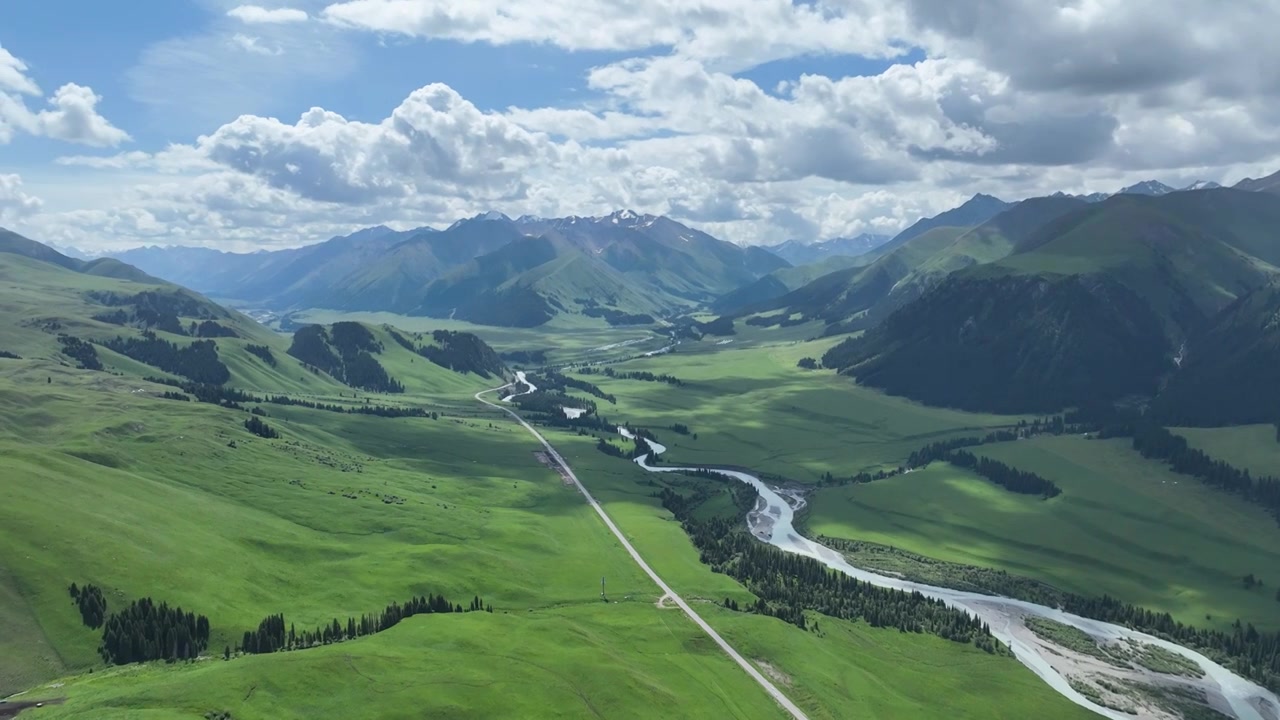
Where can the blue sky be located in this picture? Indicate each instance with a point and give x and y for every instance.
(756, 120)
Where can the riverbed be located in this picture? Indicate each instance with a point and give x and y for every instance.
(772, 522)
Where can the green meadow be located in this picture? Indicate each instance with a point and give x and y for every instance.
(566, 338)
(1250, 447)
(844, 669)
(1123, 526)
(753, 407)
(342, 515)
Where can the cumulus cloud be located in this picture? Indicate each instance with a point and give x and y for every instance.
(14, 203)
(255, 14)
(1009, 97)
(435, 142)
(72, 115)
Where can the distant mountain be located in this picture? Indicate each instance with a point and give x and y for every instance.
(15, 244)
(1153, 188)
(761, 293)
(975, 211)
(1088, 307)
(801, 253)
(859, 297)
(1201, 185)
(1270, 183)
(620, 266)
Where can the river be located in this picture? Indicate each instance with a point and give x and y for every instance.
(772, 522)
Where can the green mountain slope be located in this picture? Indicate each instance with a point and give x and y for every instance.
(1230, 371)
(1112, 289)
(54, 308)
(975, 211)
(779, 283)
(860, 297)
(471, 270)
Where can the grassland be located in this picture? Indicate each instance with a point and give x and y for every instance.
(844, 669)
(565, 337)
(145, 497)
(755, 408)
(1249, 447)
(1122, 526)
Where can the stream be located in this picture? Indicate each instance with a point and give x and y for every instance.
(772, 522)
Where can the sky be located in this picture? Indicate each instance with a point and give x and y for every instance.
(244, 126)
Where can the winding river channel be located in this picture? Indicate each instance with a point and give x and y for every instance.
(772, 522)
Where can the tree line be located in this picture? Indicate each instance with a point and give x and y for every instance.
(92, 604)
(261, 429)
(197, 362)
(642, 376)
(272, 634)
(1156, 442)
(345, 352)
(263, 353)
(232, 399)
(147, 631)
(6, 355)
(1009, 478)
(786, 585)
(553, 381)
(85, 355)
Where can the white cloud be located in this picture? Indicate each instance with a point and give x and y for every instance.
(14, 203)
(253, 45)
(733, 33)
(1129, 95)
(256, 14)
(72, 115)
(435, 143)
(13, 75)
(74, 118)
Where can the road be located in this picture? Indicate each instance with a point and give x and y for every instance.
(751, 670)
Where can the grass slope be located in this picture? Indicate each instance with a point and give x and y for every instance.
(39, 300)
(1248, 447)
(1123, 526)
(145, 497)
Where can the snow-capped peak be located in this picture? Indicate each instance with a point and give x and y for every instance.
(1149, 187)
(619, 217)
(527, 219)
(491, 215)
(1202, 185)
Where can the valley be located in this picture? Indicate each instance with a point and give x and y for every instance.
(417, 499)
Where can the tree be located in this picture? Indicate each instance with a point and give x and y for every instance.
(226, 653)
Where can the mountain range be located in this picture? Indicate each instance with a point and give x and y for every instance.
(487, 269)
(1167, 298)
(802, 253)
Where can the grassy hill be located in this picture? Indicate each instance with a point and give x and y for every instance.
(864, 293)
(1093, 305)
